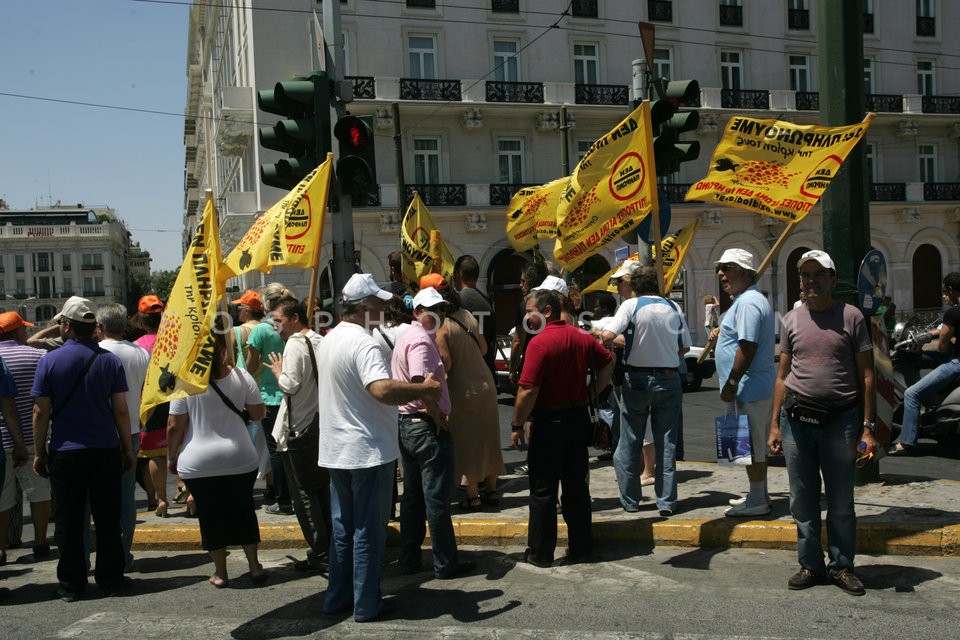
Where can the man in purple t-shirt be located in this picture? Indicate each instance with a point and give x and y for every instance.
(81, 389)
(823, 389)
(426, 446)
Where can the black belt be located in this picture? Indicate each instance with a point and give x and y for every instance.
(416, 418)
(553, 408)
(630, 367)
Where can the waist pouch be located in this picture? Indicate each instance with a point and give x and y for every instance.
(806, 410)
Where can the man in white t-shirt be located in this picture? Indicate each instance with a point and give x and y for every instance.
(111, 324)
(360, 445)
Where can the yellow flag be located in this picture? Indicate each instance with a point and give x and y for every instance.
(673, 249)
(532, 214)
(775, 168)
(423, 249)
(182, 355)
(289, 233)
(612, 189)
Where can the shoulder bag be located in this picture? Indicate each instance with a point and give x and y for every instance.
(303, 447)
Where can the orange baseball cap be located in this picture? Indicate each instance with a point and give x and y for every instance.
(250, 298)
(435, 280)
(11, 320)
(150, 304)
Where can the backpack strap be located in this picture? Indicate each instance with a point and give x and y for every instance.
(76, 384)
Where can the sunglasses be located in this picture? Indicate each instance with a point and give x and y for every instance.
(727, 268)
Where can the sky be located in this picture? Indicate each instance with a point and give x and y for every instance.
(128, 57)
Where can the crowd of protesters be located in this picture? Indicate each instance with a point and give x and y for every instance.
(402, 385)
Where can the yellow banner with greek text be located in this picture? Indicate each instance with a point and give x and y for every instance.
(182, 355)
(775, 168)
(612, 189)
(422, 246)
(289, 233)
(532, 214)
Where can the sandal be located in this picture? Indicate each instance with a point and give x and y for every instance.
(162, 508)
(182, 495)
(470, 504)
(491, 498)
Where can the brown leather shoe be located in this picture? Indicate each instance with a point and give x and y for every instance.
(849, 582)
(804, 579)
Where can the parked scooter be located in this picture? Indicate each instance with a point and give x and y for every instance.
(940, 418)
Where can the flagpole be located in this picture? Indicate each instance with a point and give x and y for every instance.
(711, 343)
(222, 302)
(657, 239)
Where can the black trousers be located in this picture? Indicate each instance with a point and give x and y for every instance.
(311, 505)
(558, 458)
(75, 477)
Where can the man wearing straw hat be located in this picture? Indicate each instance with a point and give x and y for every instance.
(744, 355)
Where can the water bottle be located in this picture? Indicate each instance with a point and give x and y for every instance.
(864, 456)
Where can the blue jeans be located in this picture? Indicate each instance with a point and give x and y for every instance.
(610, 413)
(428, 480)
(658, 396)
(360, 506)
(921, 393)
(830, 450)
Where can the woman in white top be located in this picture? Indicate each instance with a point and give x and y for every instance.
(218, 461)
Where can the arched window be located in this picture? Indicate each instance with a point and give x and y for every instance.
(927, 278)
(793, 279)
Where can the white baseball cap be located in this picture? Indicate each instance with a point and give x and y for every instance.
(625, 269)
(77, 309)
(362, 285)
(740, 257)
(820, 257)
(553, 283)
(428, 297)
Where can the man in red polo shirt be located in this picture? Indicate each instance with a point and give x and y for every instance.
(553, 393)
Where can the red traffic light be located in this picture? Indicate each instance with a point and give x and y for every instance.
(353, 133)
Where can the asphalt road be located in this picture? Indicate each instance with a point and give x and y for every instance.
(631, 593)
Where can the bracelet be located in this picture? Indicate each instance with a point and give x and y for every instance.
(516, 428)
(870, 425)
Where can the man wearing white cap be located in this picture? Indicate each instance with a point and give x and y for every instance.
(823, 389)
(558, 286)
(79, 395)
(358, 429)
(426, 446)
(744, 355)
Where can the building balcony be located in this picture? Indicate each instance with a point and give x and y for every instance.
(602, 94)
(807, 101)
(502, 193)
(91, 267)
(438, 195)
(867, 23)
(940, 104)
(939, 191)
(744, 99)
(53, 231)
(364, 87)
(584, 8)
(889, 103)
(888, 192)
(926, 27)
(423, 89)
(528, 92)
(505, 6)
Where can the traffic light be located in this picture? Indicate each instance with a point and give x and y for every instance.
(303, 134)
(357, 165)
(669, 122)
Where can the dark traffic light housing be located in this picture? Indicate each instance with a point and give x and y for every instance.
(303, 134)
(357, 165)
(668, 122)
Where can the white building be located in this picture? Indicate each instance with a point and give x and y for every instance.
(48, 255)
(480, 85)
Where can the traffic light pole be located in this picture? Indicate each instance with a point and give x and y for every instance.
(341, 229)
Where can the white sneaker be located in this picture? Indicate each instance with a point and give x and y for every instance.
(743, 510)
(736, 502)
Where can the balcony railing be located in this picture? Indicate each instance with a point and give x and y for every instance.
(500, 91)
(601, 94)
(439, 195)
(883, 102)
(660, 10)
(731, 16)
(868, 23)
(501, 193)
(505, 6)
(798, 19)
(91, 267)
(941, 191)
(744, 99)
(427, 4)
(940, 104)
(584, 8)
(675, 192)
(422, 89)
(363, 87)
(888, 192)
(926, 26)
(807, 101)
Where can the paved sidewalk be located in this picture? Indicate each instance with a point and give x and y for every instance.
(902, 515)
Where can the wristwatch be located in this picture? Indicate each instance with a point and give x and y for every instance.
(516, 427)
(870, 425)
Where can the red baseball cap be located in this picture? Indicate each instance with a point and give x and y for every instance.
(435, 280)
(150, 304)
